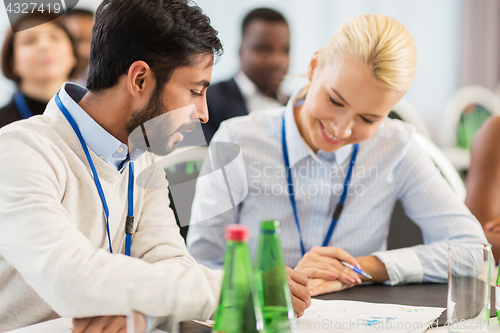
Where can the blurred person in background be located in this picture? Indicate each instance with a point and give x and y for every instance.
(39, 59)
(264, 60)
(79, 23)
(483, 181)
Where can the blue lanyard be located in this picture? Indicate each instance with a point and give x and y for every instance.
(22, 105)
(338, 208)
(129, 225)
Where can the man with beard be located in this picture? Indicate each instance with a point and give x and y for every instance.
(75, 224)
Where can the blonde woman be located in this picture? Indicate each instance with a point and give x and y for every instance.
(346, 165)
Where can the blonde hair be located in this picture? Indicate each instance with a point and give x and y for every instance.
(380, 42)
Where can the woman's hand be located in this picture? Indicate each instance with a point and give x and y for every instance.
(324, 263)
(493, 225)
(299, 288)
(108, 324)
(322, 286)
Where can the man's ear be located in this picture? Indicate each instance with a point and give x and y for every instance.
(139, 79)
(313, 65)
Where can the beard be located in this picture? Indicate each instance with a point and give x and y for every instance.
(151, 129)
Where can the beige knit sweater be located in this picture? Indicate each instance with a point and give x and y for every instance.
(54, 253)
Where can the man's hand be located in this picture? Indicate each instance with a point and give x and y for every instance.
(493, 225)
(299, 287)
(324, 263)
(108, 324)
(322, 286)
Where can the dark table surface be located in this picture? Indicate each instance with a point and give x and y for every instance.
(434, 295)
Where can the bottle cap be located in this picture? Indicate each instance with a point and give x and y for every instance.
(270, 226)
(237, 232)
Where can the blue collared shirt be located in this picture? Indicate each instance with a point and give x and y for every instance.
(102, 143)
(390, 166)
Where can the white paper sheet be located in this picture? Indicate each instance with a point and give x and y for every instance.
(350, 316)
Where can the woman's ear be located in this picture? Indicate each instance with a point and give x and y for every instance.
(313, 65)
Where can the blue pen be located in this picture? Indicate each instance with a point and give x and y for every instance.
(357, 270)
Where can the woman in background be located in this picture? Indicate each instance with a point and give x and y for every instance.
(39, 57)
(347, 164)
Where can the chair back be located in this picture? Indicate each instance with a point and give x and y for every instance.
(183, 167)
(405, 111)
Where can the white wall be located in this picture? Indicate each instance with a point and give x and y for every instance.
(435, 26)
(88, 4)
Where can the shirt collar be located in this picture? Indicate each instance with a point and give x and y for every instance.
(298, 148)
(247, 87)
(101, 142)
(343, 153)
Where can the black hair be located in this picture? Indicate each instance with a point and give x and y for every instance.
(264, 14)
(166, 34)
(79, 12)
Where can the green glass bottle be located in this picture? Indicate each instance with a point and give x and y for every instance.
(271, 280)
(239, 308)
(497, 295)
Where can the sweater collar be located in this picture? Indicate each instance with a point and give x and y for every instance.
(102, 143)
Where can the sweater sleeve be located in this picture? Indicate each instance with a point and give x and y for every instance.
(59, 262)
(157, 240)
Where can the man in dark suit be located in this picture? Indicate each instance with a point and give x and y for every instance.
(264, 59)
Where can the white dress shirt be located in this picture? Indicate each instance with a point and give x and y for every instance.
(254, 99)
(390, 166)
